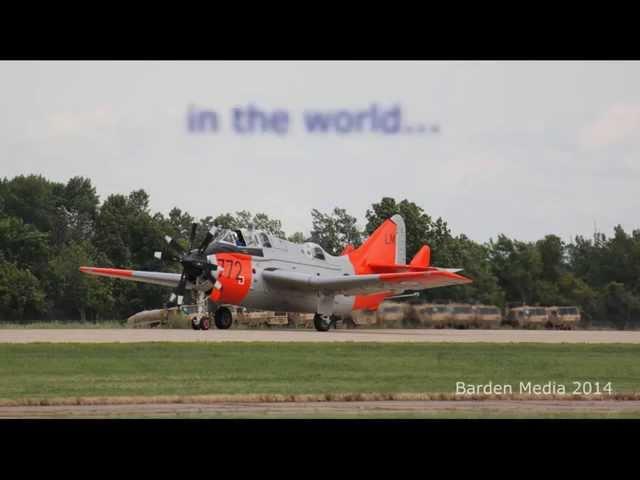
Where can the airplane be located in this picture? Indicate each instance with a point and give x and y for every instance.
(257, 270)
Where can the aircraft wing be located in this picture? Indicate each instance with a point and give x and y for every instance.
(157, 278)
(363, 284)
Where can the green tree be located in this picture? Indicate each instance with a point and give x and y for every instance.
(335, 231)
(244, 219)
(518, 266)
(74, 295)
(32, 198)
(297, 237)
(620, 306)
(79, 208)
(21, 295)
(23, 244)
(552, 254)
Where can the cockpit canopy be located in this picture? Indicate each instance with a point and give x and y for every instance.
(314, 250)
(242, 238)
(248, 238)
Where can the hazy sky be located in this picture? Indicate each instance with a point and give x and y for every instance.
(523, 148)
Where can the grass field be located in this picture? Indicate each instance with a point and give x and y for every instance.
(40, 371)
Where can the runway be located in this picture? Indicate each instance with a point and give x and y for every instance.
(393, 409)
(355, 335)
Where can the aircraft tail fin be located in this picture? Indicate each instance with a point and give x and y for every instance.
(347, 250)
(386, 245)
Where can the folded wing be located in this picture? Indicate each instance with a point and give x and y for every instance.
(363, 284)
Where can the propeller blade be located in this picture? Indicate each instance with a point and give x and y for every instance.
(207, 239)
(192, 237)
(181, 288)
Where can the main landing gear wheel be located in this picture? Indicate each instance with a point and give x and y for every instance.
(322, 322)
(194, 324)
(204, 323)
(223, 318)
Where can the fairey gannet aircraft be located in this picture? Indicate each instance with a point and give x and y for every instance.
(258, 270)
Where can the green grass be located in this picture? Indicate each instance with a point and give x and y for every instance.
(74, 370)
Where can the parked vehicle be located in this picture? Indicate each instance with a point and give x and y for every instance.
(462, 316)
(527, 317)
(258, 318)
(432, 315)
(393, 314)
(174, 317)
(364, 318)
(300, 320)
(487, 316)
(563, 317)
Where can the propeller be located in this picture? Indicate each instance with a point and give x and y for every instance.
(194, 262)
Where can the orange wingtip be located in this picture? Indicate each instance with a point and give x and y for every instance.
(111, 272)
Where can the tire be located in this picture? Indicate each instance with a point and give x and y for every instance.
(321, 324)
(204, 323)
(223, 318)
(194, 325)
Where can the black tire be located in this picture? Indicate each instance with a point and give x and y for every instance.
(321, 324)
(195, 325)
(223, 318)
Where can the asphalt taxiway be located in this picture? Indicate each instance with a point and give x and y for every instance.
(483, 408)
(347, 335)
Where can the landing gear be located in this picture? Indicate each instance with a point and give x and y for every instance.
(322, 322)
(202, 324)
(223, 318)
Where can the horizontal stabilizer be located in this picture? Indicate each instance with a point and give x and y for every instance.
(452, 270)
(394, 268)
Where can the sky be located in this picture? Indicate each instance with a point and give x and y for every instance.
(522, 148)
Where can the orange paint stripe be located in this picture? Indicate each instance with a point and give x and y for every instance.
(114, 272)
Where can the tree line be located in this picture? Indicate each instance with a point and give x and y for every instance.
(48, 229)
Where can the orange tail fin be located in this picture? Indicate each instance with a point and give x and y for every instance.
(348, 249)
(386, 245)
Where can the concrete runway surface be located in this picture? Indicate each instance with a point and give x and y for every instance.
(394, 409)
(355, 335)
